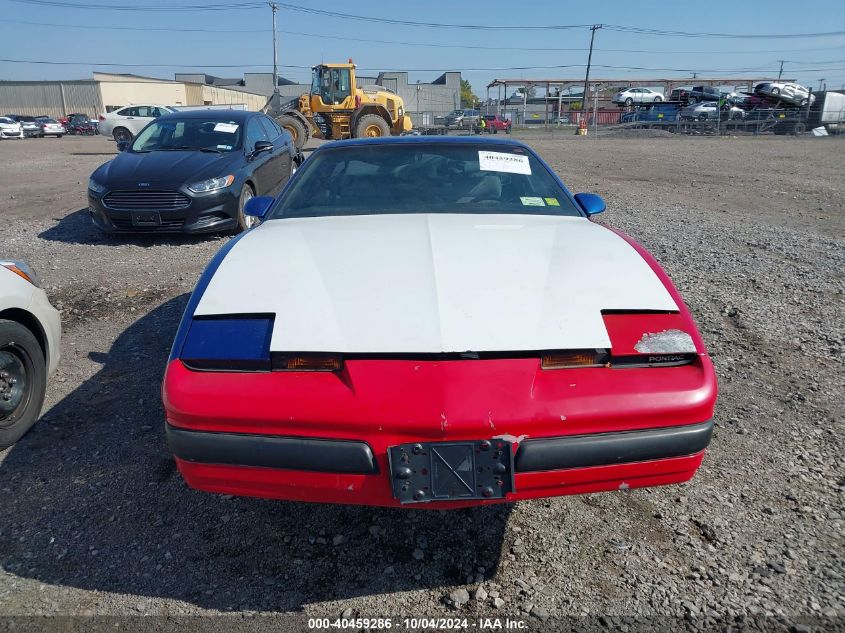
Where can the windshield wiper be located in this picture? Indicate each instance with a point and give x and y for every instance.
(188, 147)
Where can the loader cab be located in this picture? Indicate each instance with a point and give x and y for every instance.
(333, 84)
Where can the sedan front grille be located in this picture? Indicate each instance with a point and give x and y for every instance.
(146, 200)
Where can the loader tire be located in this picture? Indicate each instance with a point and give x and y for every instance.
(370, 126)
(296, 129)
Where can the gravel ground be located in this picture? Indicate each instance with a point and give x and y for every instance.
(96, 521)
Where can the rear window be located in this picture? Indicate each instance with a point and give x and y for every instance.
(423, 178)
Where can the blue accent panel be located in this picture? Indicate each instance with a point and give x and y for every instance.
(591, 203)
(196, 295)
(229, 342)
(258, 207)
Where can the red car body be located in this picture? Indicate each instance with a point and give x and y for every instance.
(494, 122)
(336, 433)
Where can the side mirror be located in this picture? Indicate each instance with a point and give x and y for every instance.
(258, 207)
(590, 203)
(262, 146)
(122, 146)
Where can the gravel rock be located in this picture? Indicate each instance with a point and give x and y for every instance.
(752, 233)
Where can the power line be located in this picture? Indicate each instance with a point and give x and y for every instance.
(398, 22)
(409, 70)
(130, 7)
(645, 31)
(422, 44)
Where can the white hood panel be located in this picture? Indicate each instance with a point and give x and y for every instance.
(428, 283)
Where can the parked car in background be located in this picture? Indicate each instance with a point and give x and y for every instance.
(375, 342)
(653, 113)
(28, 123)
(703, 93)
(463, 118)
(631, 96)
(30, 333)
(80, 124)
(796, 94)
(495, 123)
(50, 127)
(680, 94)
(10, 128)
(125, 123)
(191, 172)
(709, 110)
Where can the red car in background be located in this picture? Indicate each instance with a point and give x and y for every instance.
(495, 123)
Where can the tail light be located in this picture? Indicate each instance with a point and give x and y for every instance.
(102, 118)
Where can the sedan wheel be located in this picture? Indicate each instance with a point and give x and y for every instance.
(122, 134)
(246, 222)
(23, 380)
(629, 101)
(658, 99)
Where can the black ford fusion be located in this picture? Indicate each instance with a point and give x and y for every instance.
(191, 172)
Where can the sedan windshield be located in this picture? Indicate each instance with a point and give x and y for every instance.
(206, 134)
(424, 178)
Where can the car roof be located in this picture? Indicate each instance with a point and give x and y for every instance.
(222, 115)
(425, 140)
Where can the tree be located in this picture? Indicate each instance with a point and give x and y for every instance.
(468, 98)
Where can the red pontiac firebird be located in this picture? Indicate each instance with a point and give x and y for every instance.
(434, 322)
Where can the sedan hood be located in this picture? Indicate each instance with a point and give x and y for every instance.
(163, 169)
(433, 283)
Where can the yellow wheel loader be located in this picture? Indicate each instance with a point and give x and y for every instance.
(336, 108)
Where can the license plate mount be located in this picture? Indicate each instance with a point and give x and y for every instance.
(451, 471)
(146, 218)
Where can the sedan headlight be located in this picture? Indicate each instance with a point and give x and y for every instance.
(212, 184)
(96, 187)
(21, 270)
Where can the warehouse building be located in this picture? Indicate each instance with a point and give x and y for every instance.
(107, 91)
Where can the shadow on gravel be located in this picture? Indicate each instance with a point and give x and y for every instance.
(91, 499)
(76, 228)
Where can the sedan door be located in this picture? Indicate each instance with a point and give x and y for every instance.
(282, 159)
(259, 166)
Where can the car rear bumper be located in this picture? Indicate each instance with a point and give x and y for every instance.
(325, 438)
(205, 214)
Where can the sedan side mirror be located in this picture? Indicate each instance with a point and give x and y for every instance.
(262, 146)
(258, 207)
(590, 203)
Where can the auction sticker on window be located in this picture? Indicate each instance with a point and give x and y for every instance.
(500, 161)
(530, 201)
(231, 128)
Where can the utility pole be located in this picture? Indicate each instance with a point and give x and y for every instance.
(586, 96)
(780, 72)
(274, 7)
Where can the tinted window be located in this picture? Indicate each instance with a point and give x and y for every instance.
(254, 133)
(423, 178)
(187, 134)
